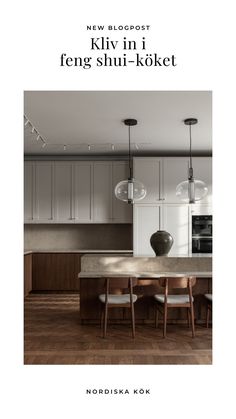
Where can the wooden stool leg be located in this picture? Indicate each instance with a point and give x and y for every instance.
(165, 320)
(105, 321)
(133, 320)
(208, 315)
(188, 317)
(192, 318)
(156, 317)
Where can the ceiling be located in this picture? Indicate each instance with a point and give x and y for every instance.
(84, 123)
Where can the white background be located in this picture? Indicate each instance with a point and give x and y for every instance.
(200, 34)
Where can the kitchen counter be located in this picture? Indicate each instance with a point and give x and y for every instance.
(96, 251)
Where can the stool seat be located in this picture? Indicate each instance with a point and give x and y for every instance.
(173, 299)
(117, 299)
(208, 296)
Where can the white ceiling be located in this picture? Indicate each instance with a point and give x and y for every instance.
(79, 119)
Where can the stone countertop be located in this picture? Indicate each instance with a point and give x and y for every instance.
(89, 251)
(176, 274)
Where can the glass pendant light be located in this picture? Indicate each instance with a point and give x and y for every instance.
(191, 190)
(130, 190)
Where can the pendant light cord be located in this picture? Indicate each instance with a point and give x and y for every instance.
(130, 169)
(190, 134)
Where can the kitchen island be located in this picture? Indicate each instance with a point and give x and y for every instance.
(94, 268)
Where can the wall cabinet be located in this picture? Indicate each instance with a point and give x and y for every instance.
(102, 198)
(83, 192)
(43, 192)
(74, 192)
(29, 177)
(121, 211)
(148, 170)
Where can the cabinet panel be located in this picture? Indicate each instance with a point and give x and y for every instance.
(121, 211)
(149, 171)
(55, 271)
(175, 220)
(44, 191)
(27, 274)
(64, 205)
(29, 168)
(102, 185)
(146, 222)
(175, 170)
(202, 170)
(83, 189)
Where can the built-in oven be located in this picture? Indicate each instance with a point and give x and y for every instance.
(202, 234)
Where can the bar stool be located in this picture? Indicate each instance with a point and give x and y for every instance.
(209, 307)
(114, 297)
(166, 300)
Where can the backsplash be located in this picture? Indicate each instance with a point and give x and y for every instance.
(80, 236)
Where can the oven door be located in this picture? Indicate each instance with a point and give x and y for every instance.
(202, 225)
(202, 245)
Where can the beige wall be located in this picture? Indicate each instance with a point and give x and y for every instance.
(83, 236)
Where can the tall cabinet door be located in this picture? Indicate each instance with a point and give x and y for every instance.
(146, 222)
(175, 170)
(44, 192)
(83, 192)
(63, 187)
(149, 171)
(29, 175)
(102, 183)
(121, 211)
(175, 220)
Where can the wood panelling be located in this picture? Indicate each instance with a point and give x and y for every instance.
(55, 271)
(27, 274)
(54, 335)
(90, 307)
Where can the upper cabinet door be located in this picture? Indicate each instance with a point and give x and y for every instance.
(83, 192)
(29, 168)
(149, 171)
(63, 197)
(202, 170)
(44, 192)
(102, 185)
(121, 211)
(175, 170)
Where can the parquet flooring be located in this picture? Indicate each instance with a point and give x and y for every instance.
(54, 335)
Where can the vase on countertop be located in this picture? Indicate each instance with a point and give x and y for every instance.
(161, 242)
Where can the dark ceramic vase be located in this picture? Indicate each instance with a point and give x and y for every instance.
(161, 242)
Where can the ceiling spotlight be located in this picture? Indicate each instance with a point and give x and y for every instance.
(89, 147)
(136, 146)
(38, 137)
(33, 129)
(44, 144)
(113, 147)
(26, 123)
(64, 147)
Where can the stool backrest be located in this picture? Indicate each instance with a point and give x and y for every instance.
(117, 285)
(173, 282)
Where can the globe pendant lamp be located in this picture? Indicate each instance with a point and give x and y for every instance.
(130, 190)
(191, 190)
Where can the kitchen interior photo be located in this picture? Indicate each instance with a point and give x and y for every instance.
(118, 227)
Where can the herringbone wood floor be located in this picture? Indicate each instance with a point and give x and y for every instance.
(53, 335)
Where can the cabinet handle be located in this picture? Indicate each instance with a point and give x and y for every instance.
(161, 199)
